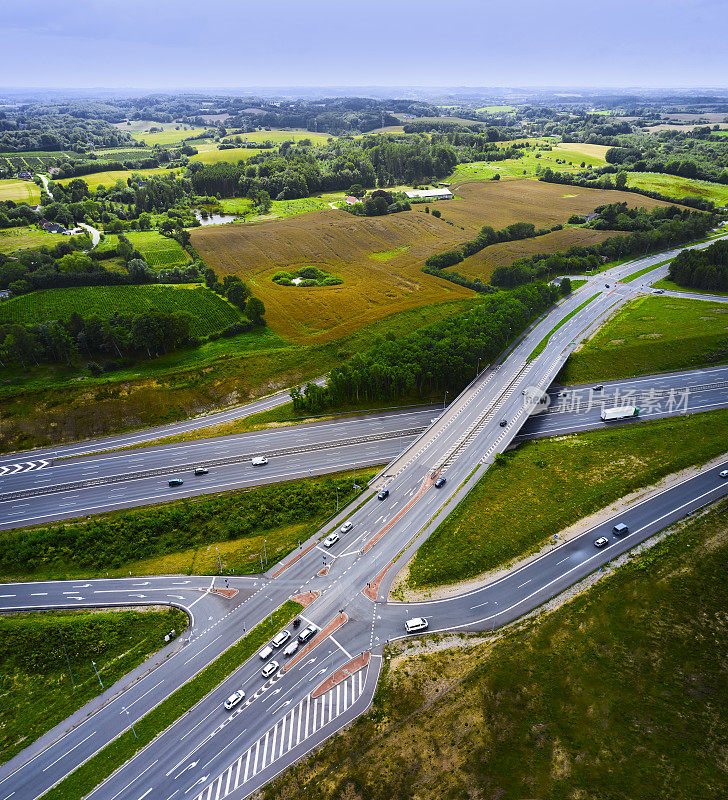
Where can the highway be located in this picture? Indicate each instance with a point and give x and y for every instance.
(209, 754)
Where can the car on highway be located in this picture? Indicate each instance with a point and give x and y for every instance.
(201, 470)
(658, 291)
(270, 669)
(383, 495)
(307, 633)
(416, 624)
(620, 529)
(280, 638)
(724, 473)
(266, 652)
(291, 648)
(503, 423)
(598, 387)
(602, 541)
(440, 482)
(234, 699)
(346, 527)
(176, 481)
(331, 540)
(259, 461)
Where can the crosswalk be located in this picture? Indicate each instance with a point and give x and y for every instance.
(25, 466)
(299, 724)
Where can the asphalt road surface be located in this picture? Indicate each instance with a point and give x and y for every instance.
(211, 754)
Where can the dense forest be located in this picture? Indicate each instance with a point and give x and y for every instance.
(702, 269)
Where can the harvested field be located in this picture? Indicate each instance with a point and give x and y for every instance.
(339, 243)
(500, 203)
(482, 264)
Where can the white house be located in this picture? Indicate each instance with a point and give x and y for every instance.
(429, 194)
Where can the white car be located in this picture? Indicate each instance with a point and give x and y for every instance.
(234, 699)
(346, 527)
(602, 541)
(416, 624)
(269, 669)
(331, 540)
(266, 652)
(724, 473)
(291, 648)
(259, 461)
(307, 633)
(280, 638)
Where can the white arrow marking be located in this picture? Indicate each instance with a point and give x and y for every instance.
(197, 783)
(176, 596)
(137, 595)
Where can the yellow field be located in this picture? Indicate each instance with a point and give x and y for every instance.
(110, 178)
(278, 135)
(594, 150)
(231, 156)
(168, 136)
(19, 191)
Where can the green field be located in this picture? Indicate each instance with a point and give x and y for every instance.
(170, 134)
(159, 251)
(666, 283)
(494, 109)
(27, 238)
(208, 311)
(526, 167)
(276, 136)
(281, 209)
(674, 186)
(652, 334)
(19, 191)
(109, 178)
(38, 691)
(619, 695)
(231, 156)
(548, 484)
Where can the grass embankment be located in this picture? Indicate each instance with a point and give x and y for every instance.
(622, 694)
(541, 346)
(49, 404)
(652, 334)
(208, 311)
(38, 691)
(95, 770)
(181, 537)
(546, 485)
(671, 286)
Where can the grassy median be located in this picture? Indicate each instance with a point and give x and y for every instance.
(620, 695)
(548, 484)
(114, 755)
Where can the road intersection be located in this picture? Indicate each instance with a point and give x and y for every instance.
(209, 754)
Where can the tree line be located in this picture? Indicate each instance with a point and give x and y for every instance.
(440, 357)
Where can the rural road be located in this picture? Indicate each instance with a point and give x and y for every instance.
(209, 754)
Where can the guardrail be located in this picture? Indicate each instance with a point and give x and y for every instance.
(218, 462)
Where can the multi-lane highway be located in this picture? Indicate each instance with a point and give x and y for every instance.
(210, 754)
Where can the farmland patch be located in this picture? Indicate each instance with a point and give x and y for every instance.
(19, 191)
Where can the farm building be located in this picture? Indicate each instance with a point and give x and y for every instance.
(351, 200)
(429, 194)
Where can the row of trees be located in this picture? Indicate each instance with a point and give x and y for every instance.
(441, 357)
(702, 269)
(669, 226)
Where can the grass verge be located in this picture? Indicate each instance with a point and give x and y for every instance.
(546, 485)
(652, 334)
(621, 694)
(38, 690)
(80, 782)
(633, 276)
(182, 536)
(671, 286)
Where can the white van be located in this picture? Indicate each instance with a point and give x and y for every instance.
(280, 638)
(259, 461)
(266, 652)
(291, 648)
(416, 624)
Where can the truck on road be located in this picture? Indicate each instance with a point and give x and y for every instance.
(619, 412)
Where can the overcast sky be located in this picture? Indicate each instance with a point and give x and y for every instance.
(237, 43)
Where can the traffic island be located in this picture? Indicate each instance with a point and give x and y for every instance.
(341, 674)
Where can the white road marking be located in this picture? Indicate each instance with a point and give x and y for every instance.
(69, 751)
(209, 644)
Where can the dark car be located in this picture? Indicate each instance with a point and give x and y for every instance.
(598, 387)
(201, 470)
(440, 482)
(503, 423)
(176, 481)
(383, 495)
